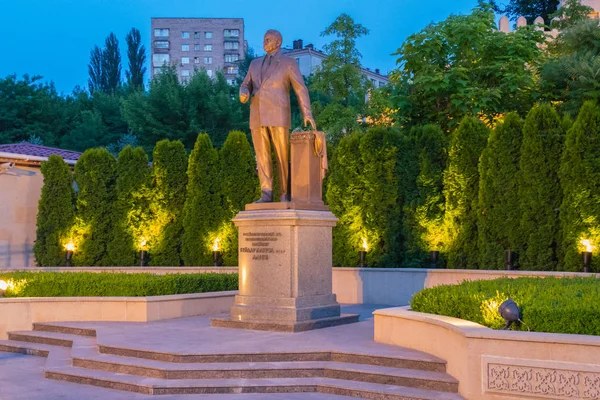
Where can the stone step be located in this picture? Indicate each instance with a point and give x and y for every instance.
(334, 356)
(50, 338)
(29, 348)
(154, 386)
(258, 370)
(63, 328)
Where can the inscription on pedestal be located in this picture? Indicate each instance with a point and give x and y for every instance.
(261, 245)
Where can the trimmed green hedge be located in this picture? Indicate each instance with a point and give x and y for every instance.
(89, 284)
(556, 305)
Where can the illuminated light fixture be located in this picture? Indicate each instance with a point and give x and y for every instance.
(3, 287)
(362, 254)
(509, 259)
(70, 247)
(435, 258)
(587, 254)
(510, 311)
(143, 243)
(217, 260)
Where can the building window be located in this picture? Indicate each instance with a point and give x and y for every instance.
(209, 73)
(208, 47)
(157, 71)
(232, 45)
(231, 58)
(196, 35)
(158, 60)
(196, 60)
(381, 84)
(185, 60)
(185, 35)
(208, 35)
(196, 47)
(161, 32)
(231, 33)
(185, 47)
(161, 44)
(232, 70)
(207, 60)
(185, 72)
(231, 82)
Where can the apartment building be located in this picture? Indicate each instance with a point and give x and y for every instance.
(189, 44)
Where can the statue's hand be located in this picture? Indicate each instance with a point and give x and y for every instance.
(311, 121)
(244, 95)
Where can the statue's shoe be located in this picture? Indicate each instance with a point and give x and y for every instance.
(267, 197)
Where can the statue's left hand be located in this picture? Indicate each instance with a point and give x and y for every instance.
(311, 121)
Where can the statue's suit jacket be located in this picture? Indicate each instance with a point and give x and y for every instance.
(270, 105)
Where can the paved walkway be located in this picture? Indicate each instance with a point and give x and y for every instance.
(21, 377)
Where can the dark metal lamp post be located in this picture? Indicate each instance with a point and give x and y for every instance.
(435, 258)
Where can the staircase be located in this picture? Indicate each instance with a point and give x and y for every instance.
(74, 355)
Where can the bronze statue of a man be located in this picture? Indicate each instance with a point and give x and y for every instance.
(268, 80)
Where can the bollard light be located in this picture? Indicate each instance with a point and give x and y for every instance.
(509, 259)
(217, 260)
(143, 243)
(3, 287)
(435, 258)
(362, 254)
(510, 311)
(587, 255)
(70, 247)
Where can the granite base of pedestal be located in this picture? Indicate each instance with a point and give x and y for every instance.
(285, 268)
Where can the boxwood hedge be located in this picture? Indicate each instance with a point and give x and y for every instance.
(84, 284)
(556, 305)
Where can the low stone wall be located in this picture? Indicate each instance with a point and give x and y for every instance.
(20, 313)
(498, 365)
(391, 286)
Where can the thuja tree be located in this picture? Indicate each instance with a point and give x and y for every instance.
(239, 186)
(425, 214)
(539, 189)
(131, 209)
(202, 211)
(498, 214)
(461, 189)
(580, 179)
(169, 175)
(56, 213)
(95, 174)
(344, 195)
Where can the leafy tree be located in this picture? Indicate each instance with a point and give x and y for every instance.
(570, 13)
(239, 186)
(202, 210)
(539, 189)
(88, 132)
(97, 75)
(580, 178)
(498, 209)
(111, 63)
(125, 140)
(461, 189)
(465, 66)
(136, 54)
(95, 174)
(244, 65)
(131, 217)
(530, 9)
(169, 167)
(56, 213)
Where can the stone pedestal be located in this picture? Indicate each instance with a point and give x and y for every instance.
(285, 263)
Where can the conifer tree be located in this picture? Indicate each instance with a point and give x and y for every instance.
(461, 189)
(580, 181)
(498, 214)
(240, 186)
(95, 174)
(56, 213)
(169, 168)
(131, 207)
(202, 211)
(539, 189)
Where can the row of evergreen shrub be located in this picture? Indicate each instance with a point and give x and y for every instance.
(556, 305)
(85, 284)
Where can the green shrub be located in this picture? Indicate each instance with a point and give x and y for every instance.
(461, 190)
(580, 177)
(498, 208)
(95, 174)
(539, 189)
(56, 213)
(556, 305)
(84, 284)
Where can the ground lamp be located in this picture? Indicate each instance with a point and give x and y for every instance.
(435, 258)
(587, 254)
(3, 287)
(509, 259)
(510, 311)
(362, 254)
(217, 260)
(143, 243)
(70, 247)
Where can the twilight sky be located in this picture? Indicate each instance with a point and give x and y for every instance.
(53, 38)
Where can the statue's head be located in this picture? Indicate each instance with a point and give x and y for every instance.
(272, 41)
